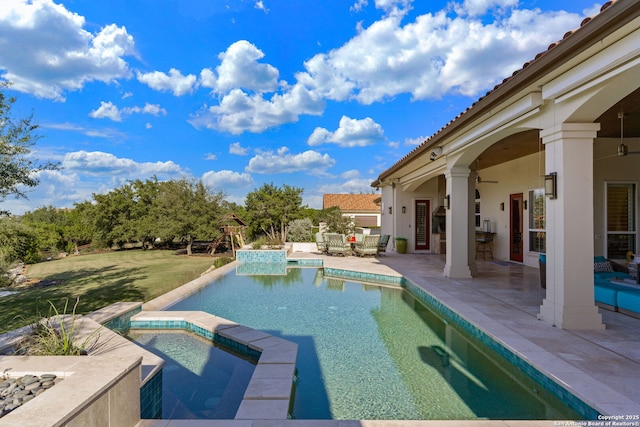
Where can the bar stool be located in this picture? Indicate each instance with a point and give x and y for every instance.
(484, 245)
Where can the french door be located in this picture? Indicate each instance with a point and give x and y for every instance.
(515, 227)
(423, 226)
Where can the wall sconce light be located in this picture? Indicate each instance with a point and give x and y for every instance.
(525, 205)
(390, 210)
(502, 206)
(446, 202)
(551, 185)
(404, 209)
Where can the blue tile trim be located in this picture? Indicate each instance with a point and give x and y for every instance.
(361, 276)
(575, 403)
(261, 256)
(151, 398)
(243, 349)
(121, 323)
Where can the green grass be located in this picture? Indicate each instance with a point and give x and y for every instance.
(99, 280)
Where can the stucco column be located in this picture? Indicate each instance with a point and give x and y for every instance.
(569, 302)
(457, 258)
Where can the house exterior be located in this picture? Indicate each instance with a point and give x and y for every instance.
(363, 208)
(549, 160)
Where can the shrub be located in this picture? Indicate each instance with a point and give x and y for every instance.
(56, 335)
(258, 244)
(299, 230)
(219, 262)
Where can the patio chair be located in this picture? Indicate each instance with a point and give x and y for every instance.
(320, 243)
(384, 241)
(337, 244)
(368, 246)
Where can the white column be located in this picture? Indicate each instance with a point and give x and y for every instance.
(457, 258)
(569, 302)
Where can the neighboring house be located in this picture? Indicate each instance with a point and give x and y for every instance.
(363, 208)
(549, 158)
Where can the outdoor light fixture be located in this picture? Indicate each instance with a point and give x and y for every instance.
(525, 205)
(502, 206)
(390, 210)
(446, 202)
(551, 185)
(404, 209)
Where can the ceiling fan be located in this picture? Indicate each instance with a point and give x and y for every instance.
(623, 149)
(480, 180)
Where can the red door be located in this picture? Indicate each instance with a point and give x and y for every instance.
(423, 227)
(515, 227)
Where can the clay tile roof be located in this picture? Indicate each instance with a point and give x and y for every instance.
(351, 202)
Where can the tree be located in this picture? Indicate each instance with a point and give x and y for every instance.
(188, 210)
(18, 169)
(336, 222)
(270, 208)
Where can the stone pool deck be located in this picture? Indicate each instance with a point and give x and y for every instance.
(601, 367)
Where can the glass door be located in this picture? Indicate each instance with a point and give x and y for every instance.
(423, 227)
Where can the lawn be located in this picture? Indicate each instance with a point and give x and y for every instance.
(99, 280)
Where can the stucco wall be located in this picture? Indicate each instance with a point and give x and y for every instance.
(612, 169)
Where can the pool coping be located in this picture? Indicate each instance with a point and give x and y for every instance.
(269, 392)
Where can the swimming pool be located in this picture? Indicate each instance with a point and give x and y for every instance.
(205, 382)
(375, 352)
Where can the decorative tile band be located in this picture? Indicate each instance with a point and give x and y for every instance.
(261, 256)
(575, 403)
(361, 276)
(121, 323)
(151, 398)
(243, 349)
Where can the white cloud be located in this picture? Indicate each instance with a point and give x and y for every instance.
(210, 156)
(227, 179)
(97, 163)
(480, 7)
(173, 82)
(239, 68)
(260, 5)
(434, 55)
(353, 185)
(359, 5)
(309, 161)
(56, 54)
(85, 173)
(236, 148)
(240, 112)
(350, 133)
(415, 141)
(108, 110)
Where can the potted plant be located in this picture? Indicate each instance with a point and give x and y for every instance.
(401, 245)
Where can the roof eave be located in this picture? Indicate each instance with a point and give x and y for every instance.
(618, 14)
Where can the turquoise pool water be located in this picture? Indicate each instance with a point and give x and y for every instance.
(372, 352)
(199, 380)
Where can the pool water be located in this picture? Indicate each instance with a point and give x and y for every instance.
(374, 352)
(203, 382)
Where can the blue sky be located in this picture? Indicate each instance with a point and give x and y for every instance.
(318, 94)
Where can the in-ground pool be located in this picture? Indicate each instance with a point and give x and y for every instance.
(200, 380)
(375, 352)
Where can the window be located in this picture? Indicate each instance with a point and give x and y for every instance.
(478, 222)
(537, 233)
(621, 219)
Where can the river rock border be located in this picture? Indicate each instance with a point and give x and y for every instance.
(14, 392)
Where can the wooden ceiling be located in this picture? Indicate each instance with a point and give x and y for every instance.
(528, 142)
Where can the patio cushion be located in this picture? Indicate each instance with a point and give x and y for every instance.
(602, 267)
(629, 301)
